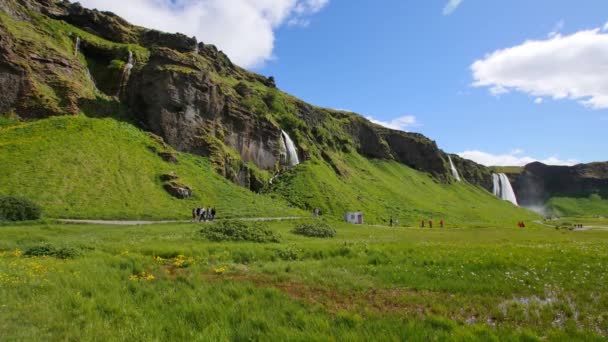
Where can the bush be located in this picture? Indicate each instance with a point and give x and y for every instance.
(240, 231)
(49, 250)
(318, 229)
(18, 209)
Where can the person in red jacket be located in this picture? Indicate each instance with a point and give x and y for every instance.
(422, 224)
(430, 223)
(441, 223)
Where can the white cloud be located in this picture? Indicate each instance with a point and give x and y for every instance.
(402, 123)
(605, 28)
(514, 158)
(562, 67)
(244, 29)
(538, 100)
(451, 6)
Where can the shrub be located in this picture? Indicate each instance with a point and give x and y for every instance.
(49, 250)
(18, 209)
(240, 231)
(318, 229)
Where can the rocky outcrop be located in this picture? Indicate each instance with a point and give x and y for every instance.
(539, 182)
(472, 172)
(178, 190)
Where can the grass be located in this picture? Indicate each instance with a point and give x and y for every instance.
(78, 167)
(389, 189)
(593, 205)
(166, 282)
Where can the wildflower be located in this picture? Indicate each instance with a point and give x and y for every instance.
(17, 253)
(124, 253)
(219, 270)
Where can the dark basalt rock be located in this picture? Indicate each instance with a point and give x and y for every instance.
(169, 177)
(178, 190)
(539, 182)
(472, 172)
(176, 41)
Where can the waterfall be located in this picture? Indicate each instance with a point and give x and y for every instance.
(77, 46)
(454, 171)
(496, 182)
(503, 188)
(126, 72)
(292, 152)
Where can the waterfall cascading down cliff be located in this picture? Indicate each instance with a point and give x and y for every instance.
(292, 152)
(453, 168)
(126, 72)
(77, 46)
(503, 188)
(496, 185)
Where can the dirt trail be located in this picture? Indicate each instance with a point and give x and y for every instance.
(140, 223)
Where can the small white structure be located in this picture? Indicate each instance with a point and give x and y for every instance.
(355, 217)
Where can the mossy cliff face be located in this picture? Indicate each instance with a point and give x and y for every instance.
(187, 92)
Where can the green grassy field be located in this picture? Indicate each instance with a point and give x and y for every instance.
(367, 283)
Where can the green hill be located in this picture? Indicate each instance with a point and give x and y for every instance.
(384, 189)
(78, 167)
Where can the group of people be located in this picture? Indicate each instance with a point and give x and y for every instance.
(521, 224)
(203, 214)
(395, 222)
(422, 224)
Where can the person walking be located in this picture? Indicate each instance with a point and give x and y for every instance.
(213, 214)
(430, 224)
(391, 221)
(203, 215)
(441, 223)
(422, 224)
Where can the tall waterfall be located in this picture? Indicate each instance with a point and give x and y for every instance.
(454, 171)
(77, 46)
(503, 188)
(126, 72)
(496, 182)
(292, 152)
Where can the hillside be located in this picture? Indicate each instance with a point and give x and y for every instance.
(77, 167)
(58, 58)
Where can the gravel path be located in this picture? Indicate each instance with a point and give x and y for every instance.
(141, 223)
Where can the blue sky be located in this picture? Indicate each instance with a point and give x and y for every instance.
(406, 58)
(537, 91)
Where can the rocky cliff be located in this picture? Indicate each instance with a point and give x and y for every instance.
(538, 182)
(60, 58)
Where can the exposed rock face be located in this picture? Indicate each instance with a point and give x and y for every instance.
(472, 172)
(178, 190)
(538, 182)
(174, 99)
